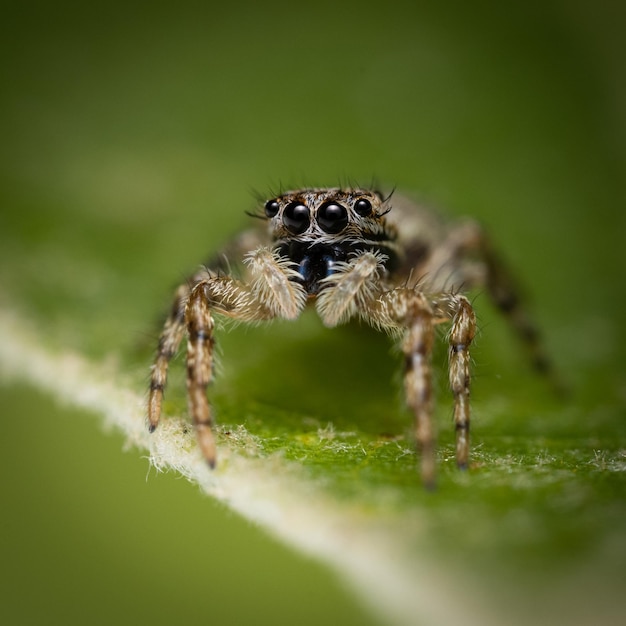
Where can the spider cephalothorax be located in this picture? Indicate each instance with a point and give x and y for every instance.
(318, 228)
(352, 253)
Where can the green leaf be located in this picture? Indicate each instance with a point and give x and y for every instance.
(131, 140)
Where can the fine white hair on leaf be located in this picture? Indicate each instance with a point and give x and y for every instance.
(369, 553)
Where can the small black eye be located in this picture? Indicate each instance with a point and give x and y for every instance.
(363, 207)
(271, 208)
(332, 218)
(296, 218)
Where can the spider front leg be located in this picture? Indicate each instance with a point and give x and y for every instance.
(407, 310)
(414, 312)
(417, 346)
(460, 337)
(169, 341)
(200, 343)
(359, 287)
(270, 292)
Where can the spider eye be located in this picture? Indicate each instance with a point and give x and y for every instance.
(332, 218)
(271, 208)
(296, 218)
(363, 207)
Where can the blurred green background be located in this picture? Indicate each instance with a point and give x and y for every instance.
(133, 138)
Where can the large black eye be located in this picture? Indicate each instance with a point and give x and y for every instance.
(271, 208)
(296, 218)
(363, 207)
(332, 217)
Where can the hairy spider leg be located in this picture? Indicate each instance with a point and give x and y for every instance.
(417, 346)
(200, 347)
(461, 335)
(506, 296)
(468, 253)
(355, 289)
(169, 340)
(270, 292)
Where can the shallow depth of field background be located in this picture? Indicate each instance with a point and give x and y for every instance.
(132, 140)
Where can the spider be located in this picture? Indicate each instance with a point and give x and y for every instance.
(351, 253)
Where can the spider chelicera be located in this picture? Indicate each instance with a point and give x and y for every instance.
(351, 253)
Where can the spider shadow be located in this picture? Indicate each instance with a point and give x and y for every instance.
(349, 375)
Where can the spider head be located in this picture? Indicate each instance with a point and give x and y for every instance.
(316, 229)
(326, 216)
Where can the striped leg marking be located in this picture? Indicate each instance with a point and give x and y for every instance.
(200, 345)
(461, 336)
(169, 341)
(417, 347)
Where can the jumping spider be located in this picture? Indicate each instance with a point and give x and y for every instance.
(352, 253)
